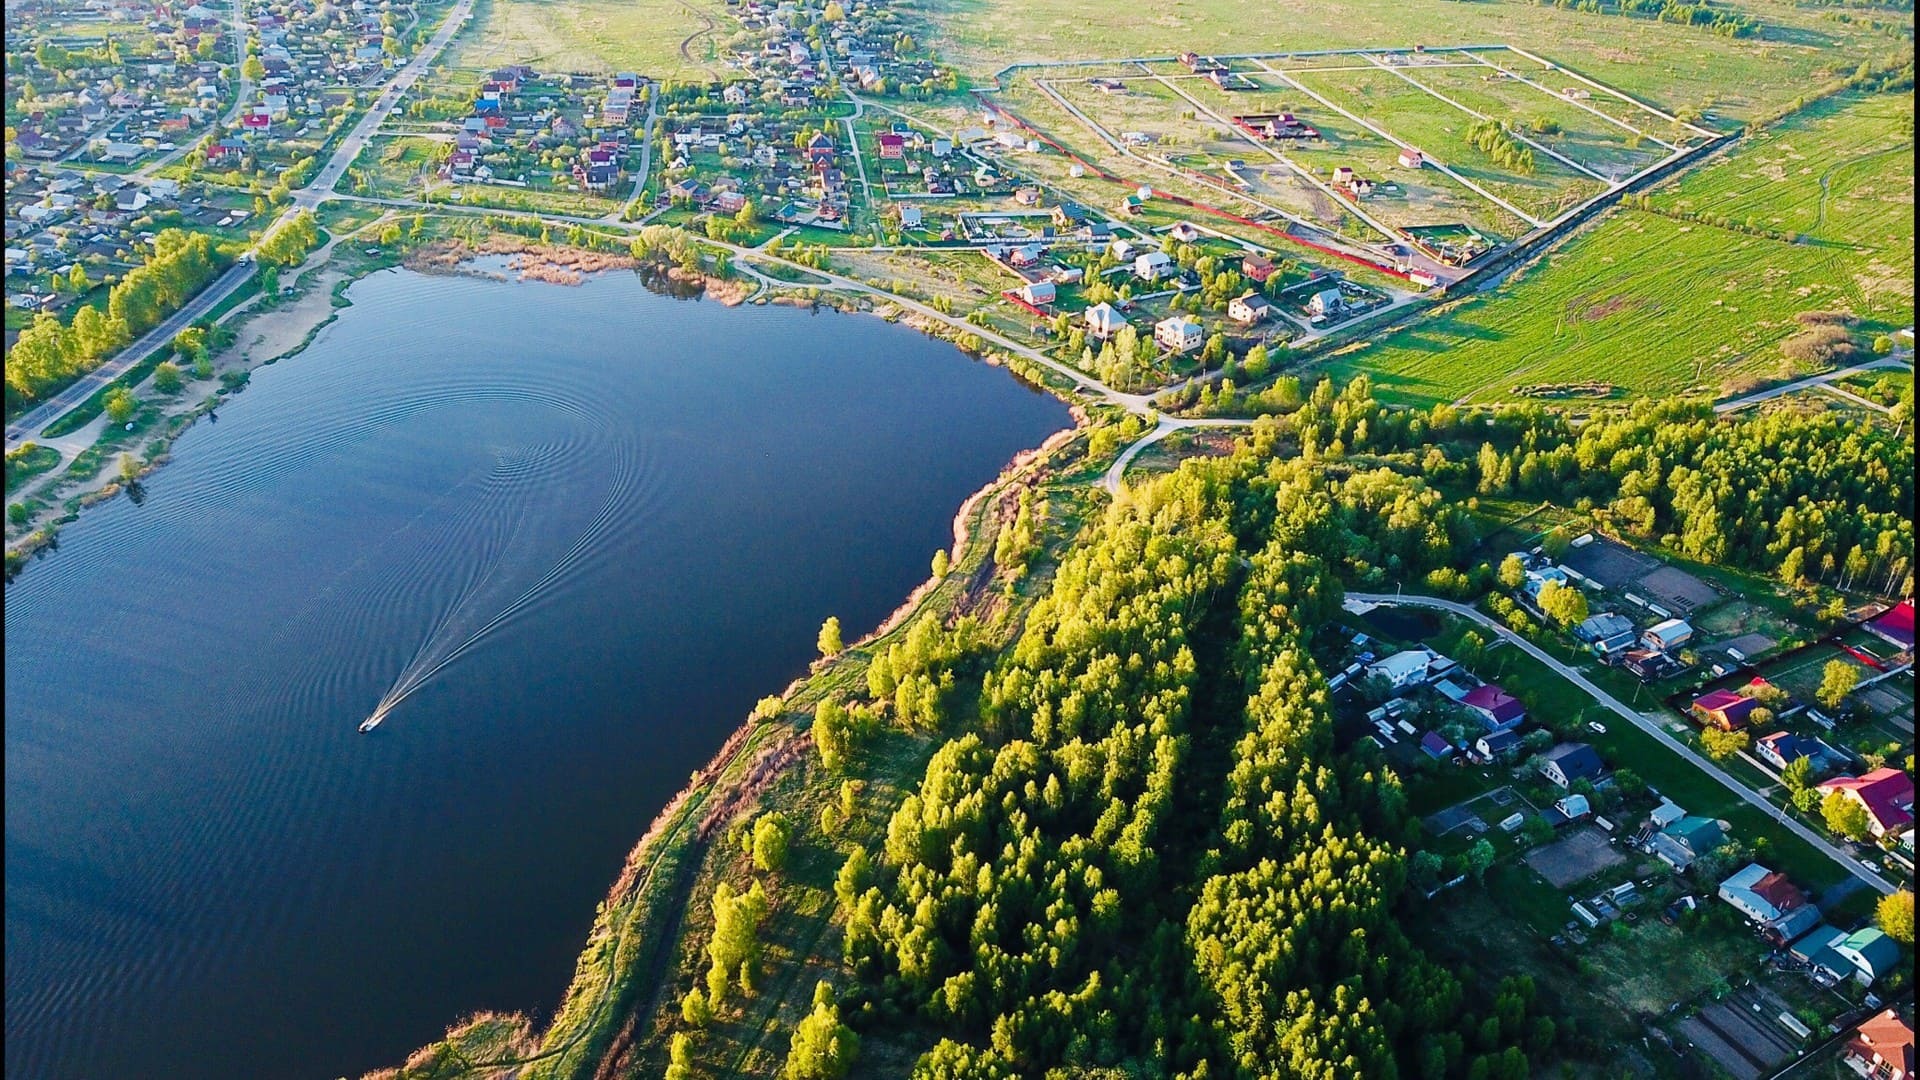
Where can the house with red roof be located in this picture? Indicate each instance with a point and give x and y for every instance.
(1724, 709)
(1496, 708)
(1894, 625)
(1882, 1048)
(1886, 795)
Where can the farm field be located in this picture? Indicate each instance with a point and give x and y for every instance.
(1666, 65)
(1840, 172)
(594, 36)
(1646, 303)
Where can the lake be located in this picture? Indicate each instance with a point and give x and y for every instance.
(569, 535)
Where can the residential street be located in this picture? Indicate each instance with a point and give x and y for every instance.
(1853, 866)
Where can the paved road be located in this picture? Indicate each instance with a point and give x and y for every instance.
(1847, 861)
(315, 193)
(1897, 360)
(24, 427)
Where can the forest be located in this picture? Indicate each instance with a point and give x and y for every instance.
(1140, 853)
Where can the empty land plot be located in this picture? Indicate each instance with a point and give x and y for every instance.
(1423, 196)
(1593, 141)
(1645, 303)
(1423, 121)
(1665, 64)
(1840, 173)
(643, 36)
(1582, 854)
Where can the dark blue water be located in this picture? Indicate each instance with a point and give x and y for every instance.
(578, 531)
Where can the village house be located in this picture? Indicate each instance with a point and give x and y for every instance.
(1410, 668)
(1886, 794)
(1152, 265)
(1497, 709)
(1723, 709)
(1667, 636)
(1037, 292)
(1870, 954)
(1179, 334)
(1682, 843)
(1325, 303)
(1103, 321)
(1881, 1048)
(1411, 159)
(1256, 267)
(1570, 762)
(1249, 309)
(1760, 894)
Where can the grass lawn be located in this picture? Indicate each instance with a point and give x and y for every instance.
(1649, 304)
(28, 462)
(644, 36)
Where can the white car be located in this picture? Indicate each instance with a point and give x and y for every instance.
(1596, 727)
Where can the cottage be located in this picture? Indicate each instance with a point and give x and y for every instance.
(1667, 636)
(1343, 175)
(1325, 302)
(1497, 709)
(1607, 624)
(910, 217)
(820, 148)
(1886, 794)
(1256, 267)
(1037, 292)
(1881, 1048)
(1411, 159)
(1570, 762)
(1152, 265)
(892, 147)
(1435, 747)
(1178, 334)
(1783, 748)
(1760, 894)
(1185, 232)
(1680, 844)
(1103, 321)
(1066, 275)
(1249, 309)
(1724, 709)
(1784, 929)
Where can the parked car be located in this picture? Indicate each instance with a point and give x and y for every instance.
(1596, 727)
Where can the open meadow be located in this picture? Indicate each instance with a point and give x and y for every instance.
(1797, 50)
(1646, 303)
(664, 39)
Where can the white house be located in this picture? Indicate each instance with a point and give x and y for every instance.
(1103, 321)
(1249, 309)
(1178, 334)
(1404, 669)
(1324, 302)
(1185, 232)
(1152, 265)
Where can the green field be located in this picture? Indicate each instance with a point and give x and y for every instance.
(1656, 305)
(1667, 65)
(645, 36)
(1840, 172)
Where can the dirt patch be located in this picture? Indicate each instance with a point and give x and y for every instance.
(1576, 858)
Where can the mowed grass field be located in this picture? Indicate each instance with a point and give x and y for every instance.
(600, 36)
(1662, 63)
(1646, 303)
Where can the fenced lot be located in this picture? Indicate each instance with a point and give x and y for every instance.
(1582, 854)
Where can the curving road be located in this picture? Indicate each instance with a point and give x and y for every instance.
(1846, 860)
